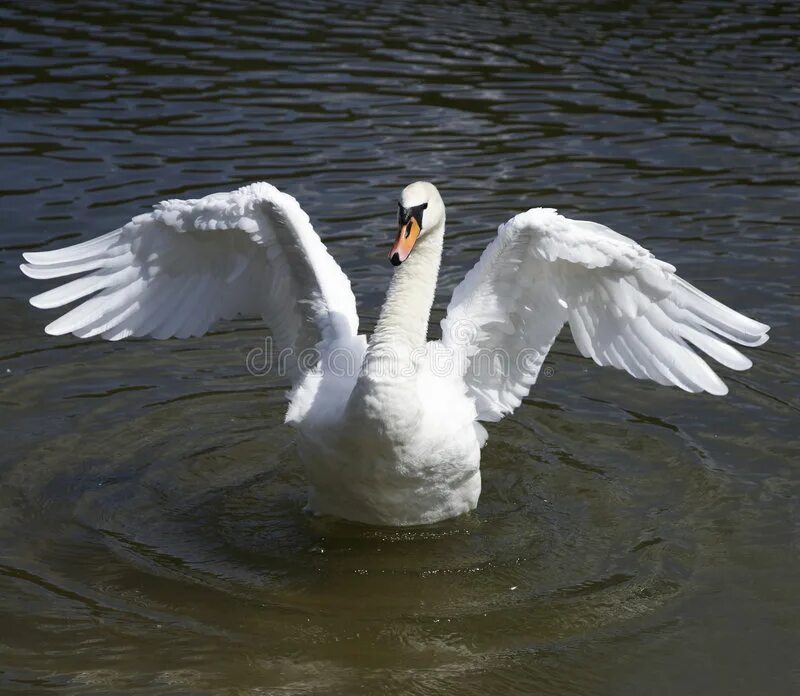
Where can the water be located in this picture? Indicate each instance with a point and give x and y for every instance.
(630, 538)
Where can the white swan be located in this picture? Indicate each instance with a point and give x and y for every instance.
(389, 429)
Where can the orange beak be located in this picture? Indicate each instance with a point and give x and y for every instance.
(406, 238)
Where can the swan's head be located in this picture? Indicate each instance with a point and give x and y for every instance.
(420, 210)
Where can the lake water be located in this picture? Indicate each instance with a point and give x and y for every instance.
(630, 539)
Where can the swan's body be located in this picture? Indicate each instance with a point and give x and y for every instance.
(389, 429)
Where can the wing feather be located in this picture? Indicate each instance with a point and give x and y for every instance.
(177, 270)
(625, 309)
(81, 287)
(94, 248)
(116, 308)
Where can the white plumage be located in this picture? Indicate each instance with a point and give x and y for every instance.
(389, 431)
(625, 308)
(176, 271)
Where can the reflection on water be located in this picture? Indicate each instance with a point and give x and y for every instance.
(630, 538)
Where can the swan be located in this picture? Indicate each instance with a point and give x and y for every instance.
(389, 428)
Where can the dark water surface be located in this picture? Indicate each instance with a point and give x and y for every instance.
(631, 539)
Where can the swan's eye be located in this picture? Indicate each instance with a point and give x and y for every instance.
(406, 214)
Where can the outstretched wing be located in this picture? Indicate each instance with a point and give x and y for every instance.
(189, 263)
(625, 308)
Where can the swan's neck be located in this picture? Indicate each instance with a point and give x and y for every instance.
(403, 323)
